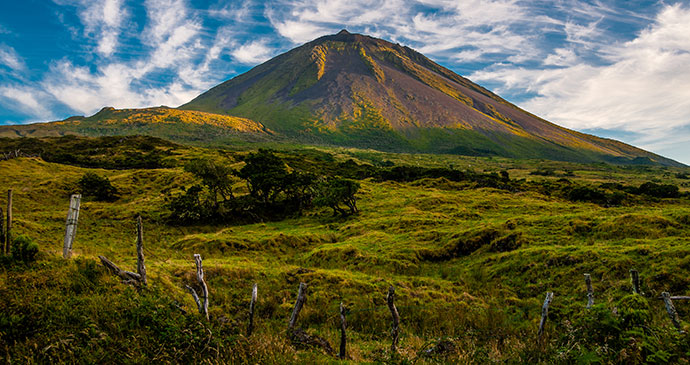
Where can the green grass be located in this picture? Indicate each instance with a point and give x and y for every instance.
(435, 240)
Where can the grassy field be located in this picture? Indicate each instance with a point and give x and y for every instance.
(471, 266)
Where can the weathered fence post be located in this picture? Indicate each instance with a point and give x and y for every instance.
(196, 298)
(590, 291)
(71, 225)
(672, 313)
(8, 226)
(141, 267)
(127, 277)
(2, 231)
(301, 298)
(203, 306)
(635, 280)
(343, 338)
(395, 331)
(250, 327)
(545, 312)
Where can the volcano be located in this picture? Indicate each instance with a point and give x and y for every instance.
(355, 90)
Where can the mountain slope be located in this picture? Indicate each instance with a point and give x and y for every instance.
(354, 90)
(173, 124)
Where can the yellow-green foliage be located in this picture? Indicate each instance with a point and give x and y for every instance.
(470, 265)
(371, 64)
(318, 55)
(167, 115)
(494, 113)
(364, 117)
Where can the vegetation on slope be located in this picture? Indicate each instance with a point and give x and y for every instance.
(162, 122)
(471, 265)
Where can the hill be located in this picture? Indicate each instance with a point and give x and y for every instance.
(355, 90)
(163, 122)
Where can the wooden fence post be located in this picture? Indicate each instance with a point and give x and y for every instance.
(252, 304)
(671, 310)
(395, 331)
(343, 338)
(141, 267)
(301, 298)
(127, 277)
(8, 226)
(635, 280)
(590, 291)
(2, 232)
(71, 225)
(545, 312)
(203, 306)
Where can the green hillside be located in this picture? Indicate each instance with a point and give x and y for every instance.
(163, 122)
(471, 244)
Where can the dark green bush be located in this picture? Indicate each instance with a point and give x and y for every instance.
(24, 249)
(543, 172)
(99, 188)
(594, 195)
(659, 190)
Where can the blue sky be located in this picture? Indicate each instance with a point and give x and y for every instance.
(615, 68)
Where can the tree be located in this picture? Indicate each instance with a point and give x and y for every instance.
(213, 175)
(334, 192)
(266, 175)
(99, 188)
(188, 207)
(299, 189)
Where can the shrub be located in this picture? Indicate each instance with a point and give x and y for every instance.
(594, 195)
(543, 172)
(659, 190)
(99, 188)
(24, 249)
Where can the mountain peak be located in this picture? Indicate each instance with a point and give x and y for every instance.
(359, 91)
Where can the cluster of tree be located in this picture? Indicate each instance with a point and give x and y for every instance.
(275, 191)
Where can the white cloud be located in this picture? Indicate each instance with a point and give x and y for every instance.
(447, 30)
(252, 52)
(173, 40)
(103, 18)
(24, 99)
(645, 87)
(561, 57)
(10, 58)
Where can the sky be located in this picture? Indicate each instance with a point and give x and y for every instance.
(617, 68)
